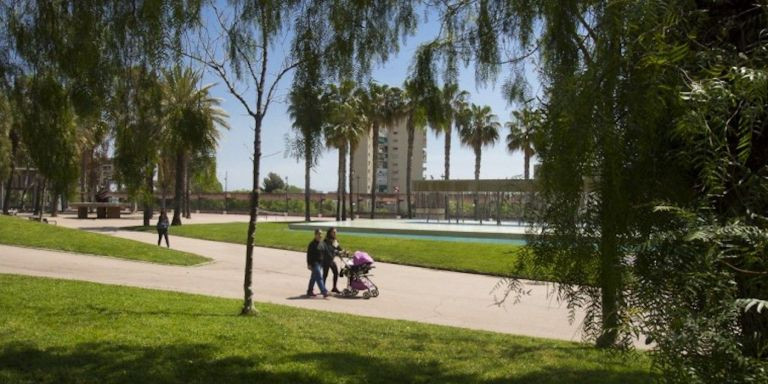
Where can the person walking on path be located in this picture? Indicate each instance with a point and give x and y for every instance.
(162, 228)
(315, 251)
(331, 249)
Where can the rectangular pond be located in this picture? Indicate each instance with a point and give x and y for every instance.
(507, 233)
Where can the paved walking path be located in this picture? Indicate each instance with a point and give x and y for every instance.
(409, 293)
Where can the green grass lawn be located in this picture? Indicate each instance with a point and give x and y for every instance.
(493, 259)
(57, 331)
(22, 232)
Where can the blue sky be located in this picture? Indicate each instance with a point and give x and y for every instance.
(235, 148)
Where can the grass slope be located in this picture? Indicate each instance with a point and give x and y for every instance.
(493, 259)
(17, 231)
(56, 331)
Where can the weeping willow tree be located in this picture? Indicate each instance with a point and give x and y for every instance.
(49, 132)
(646, 103)
(137, 117)
(604, 147)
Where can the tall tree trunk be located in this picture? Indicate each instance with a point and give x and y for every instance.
(178, 195)
(375, 164)
(253, 213)
(25, 191)
(43, 191)
(83, 174)
(610, 274)
(307, 171)
(447, 170)
(527, 162)
(187, 212)
(610, 285)
(478, 158)
(55, 197)
(343, 178)
(38, 199)
(9, 183)
(149, 198)
(339, 198)
(351, 177)
(409, 166)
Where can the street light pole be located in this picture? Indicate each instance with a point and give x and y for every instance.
(286, 196)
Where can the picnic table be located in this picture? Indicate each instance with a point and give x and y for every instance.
(103, 210)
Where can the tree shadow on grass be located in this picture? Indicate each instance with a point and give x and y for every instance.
(105, 362)
(372, 369)
(115, 363)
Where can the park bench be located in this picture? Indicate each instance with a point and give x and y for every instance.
(103, 210)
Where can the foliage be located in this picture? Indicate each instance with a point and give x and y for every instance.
(191, 114)
(522, 130)
(203, 171)
(192, 119)
(452, 101)
(137, 116)
(121, 334)
(25, 233)
(713, 256)
(695, 308)
(306, 111)
(273, 182)
(49, 131)
(6, 123)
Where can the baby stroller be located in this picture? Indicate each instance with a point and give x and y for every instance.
(356, 269)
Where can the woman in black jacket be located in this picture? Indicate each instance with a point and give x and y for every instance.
(332, 247)
(162, 228)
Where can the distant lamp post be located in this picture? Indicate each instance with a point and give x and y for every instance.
(226, 177)
(286, 196)
(397, 191)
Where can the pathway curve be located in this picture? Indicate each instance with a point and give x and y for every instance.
(408, 293)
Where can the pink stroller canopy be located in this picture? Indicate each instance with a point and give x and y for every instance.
(361, 258)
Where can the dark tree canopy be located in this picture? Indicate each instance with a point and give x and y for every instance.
(273, 182)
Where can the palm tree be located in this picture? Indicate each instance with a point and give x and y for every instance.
(377, 113)
(307, 113)
(452, 101)
(478, 128)
(415, 110)
(192, 120)
(521, 131)
(343, 128)
(359, 119)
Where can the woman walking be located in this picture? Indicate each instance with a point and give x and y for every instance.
(315, 251)
(332, 247)
(162, 228)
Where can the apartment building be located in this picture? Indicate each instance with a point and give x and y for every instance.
(392, 161)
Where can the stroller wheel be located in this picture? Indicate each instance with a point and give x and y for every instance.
(375, 292)
(366, 295)
(346, 292)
